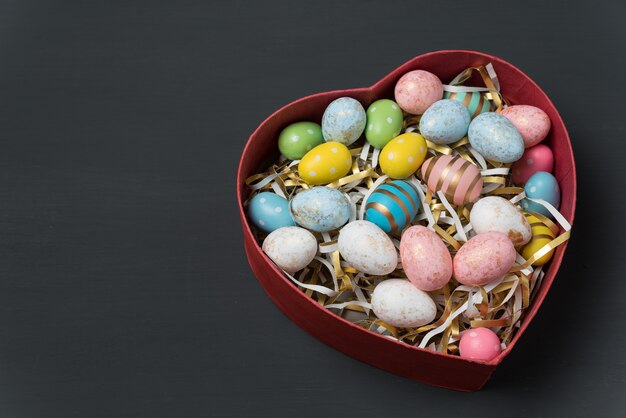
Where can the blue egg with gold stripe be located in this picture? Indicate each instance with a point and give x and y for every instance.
(392, 206)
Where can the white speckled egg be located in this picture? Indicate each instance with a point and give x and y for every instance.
(497, 214)
(397, 302)
(496, 138)
(292, 248)
(367, 248)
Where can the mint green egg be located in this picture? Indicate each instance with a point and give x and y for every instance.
(476, 102)
(384, 122)
(299, 138)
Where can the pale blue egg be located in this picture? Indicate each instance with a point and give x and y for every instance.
(542, 185)
(320, 209)
(343, 121)
(445, 121)
(495, 138)
(268, 211)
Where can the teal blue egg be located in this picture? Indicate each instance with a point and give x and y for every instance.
(495, 138)
(320, 209)
(392, 206)
(542, 185)
(269, 211)
(444, 122)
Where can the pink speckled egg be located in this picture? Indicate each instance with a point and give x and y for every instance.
(531, 122)
(417, 90)
(537, 158)
(484, 258)
(480, 344)
(425, 258)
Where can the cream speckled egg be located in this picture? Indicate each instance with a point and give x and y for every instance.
(400, 304)
(292, 248)
(484, 259)
(367, 248)
(494, 213)
(325, 163)
(403, 155)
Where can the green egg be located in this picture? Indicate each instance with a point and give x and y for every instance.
(298, 138)
(384, 122)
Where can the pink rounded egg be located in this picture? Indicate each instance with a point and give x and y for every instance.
(537, 158)
(425, 258)
(480, 344)
(417, 90)
(531, 122)
(484, 258)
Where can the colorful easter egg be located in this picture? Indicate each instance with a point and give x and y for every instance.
(542, 185)
(484, 258)
(417, 90)
(496, 138)
(291, 248)
(481, 344)
(325, 163)
(444, 122)
(392, 206)
(343, 121)
(425, 258)
(536, 158)
(367, 248)
(475, 102)
(269, 211)
(541, 236)
(299, 138)
(400, 304)
(531, 122)
(494, 213)
(320, 209)
(458, 179)
(403, 155)
(384, 122)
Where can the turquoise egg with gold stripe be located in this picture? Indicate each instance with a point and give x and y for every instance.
(392, 206)
(475, 101)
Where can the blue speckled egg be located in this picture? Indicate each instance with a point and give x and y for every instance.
(343, 121)
(320, 209)
(445, 122)
(496, 138)
(268, 211)
(392, 206)
(542, 185)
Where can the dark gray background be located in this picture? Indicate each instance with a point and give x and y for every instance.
(124, 288)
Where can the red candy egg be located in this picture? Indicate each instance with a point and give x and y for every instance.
(537, 158)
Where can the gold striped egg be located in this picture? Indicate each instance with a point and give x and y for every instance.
(458, 179)
(541, 236)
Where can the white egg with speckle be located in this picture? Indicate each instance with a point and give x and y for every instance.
(497, 214)
(292, 248)
(400, 304)
(367, 248)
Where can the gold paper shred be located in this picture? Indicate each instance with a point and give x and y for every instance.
(507, 191)
(486, 323)
(494, 179)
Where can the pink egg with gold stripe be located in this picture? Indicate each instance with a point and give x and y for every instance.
(458, 179)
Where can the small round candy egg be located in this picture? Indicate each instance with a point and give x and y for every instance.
(400, 304)
(367, 248)
(542, 185)
(298, 138)
(496, 138)
(403, 155)
(480, 344)
(325, 163)
(320, 209)
(476, 102)
(417, 90)
(536, 158)
(269, 211)
(483, 259)
(384, 122)
(458, 179)
(494, 213)
(291, 248)
(425, 258)
(343, 121)
(444, 122)
(541, 236)
(392, 206)
(531, 122)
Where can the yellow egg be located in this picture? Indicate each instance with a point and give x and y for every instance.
(403, 155)
(325, 163)
(541, 236)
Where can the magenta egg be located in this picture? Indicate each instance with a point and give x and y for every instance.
(417, 90)
(531, 122)
(484, 258)
(537, 158)
(480, 344)
(425, 258)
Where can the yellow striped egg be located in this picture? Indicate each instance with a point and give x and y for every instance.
(325, 163)
(403, 155)
(541, 236)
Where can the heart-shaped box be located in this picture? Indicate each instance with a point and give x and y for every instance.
(414, 363)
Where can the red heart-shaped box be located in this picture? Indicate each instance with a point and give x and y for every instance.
(434, 368)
